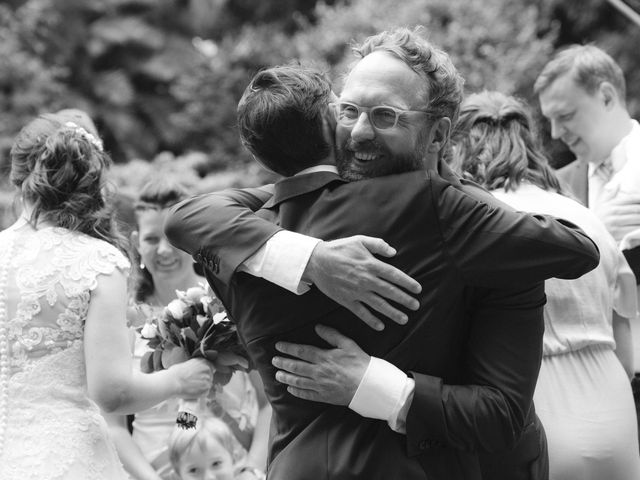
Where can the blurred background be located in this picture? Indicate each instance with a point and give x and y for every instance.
(161, 79)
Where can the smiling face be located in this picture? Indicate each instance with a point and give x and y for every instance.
(208, 461)
(364, 151)
(159, 257)
(578, 118)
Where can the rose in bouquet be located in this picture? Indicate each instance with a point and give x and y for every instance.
(194, 325)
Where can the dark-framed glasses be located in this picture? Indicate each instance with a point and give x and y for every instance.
(381, 117)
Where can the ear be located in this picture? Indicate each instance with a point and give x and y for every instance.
(608, 94)
(439, 135)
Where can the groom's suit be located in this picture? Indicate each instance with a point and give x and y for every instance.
(447, 241)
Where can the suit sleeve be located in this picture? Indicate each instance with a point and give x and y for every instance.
(220, 229)
(493, 246)
(488, 410)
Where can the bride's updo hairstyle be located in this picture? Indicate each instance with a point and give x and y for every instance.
(58, 163)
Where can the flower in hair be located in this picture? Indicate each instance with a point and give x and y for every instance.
(90, 137)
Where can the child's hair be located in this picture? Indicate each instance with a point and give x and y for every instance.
(207, 429)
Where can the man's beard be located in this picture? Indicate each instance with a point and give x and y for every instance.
(350, 170)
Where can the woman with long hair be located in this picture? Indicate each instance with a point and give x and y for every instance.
(160, 270)
(64, 350)
(583, 396)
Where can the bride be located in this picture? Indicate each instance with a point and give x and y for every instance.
(64, 349)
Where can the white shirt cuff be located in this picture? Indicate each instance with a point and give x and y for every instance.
(384, 394)
(282, 260)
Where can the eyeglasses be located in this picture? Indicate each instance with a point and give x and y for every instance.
(381, 117)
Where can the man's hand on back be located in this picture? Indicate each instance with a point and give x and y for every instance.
(347, 272)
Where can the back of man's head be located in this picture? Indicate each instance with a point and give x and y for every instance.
(588, 66)
(444, 85)
(280, 118)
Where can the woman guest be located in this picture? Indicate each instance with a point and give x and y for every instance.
(160, 271)
(583, 395)
(64, 345)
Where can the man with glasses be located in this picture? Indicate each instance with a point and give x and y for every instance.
(471, 380)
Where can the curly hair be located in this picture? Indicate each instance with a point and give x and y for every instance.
(59, 168)
(495, 144)
(444, 85)
(156, 194)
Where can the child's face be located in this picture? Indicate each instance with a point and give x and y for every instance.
(212, 463)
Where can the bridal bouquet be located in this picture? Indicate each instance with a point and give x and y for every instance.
(193, 325)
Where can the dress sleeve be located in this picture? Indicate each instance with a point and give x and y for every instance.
(101, 258)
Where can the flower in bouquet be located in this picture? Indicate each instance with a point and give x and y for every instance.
(193, 325)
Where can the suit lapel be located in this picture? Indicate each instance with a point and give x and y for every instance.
(299, 185)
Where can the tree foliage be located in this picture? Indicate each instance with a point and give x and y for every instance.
(162, 79)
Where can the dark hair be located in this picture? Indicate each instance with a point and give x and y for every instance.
(444, 85)
(59, 167)
(495, 143)
(588, 65)
(156, 194)
(280, 117)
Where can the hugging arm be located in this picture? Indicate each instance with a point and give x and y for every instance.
(493, 246)
(488, 412)
(221, 231)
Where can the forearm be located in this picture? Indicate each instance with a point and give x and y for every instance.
(220, 229)
(465, 417)
(487, 409)
(518, 249)
(141, 391)
(257, 455)
(129, 453)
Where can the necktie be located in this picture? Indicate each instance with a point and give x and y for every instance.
(605, 171)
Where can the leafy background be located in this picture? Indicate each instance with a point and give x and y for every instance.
(162, 79)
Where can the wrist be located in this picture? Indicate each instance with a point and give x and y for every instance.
(309, 274)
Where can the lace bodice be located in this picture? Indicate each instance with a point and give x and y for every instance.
(46, 279)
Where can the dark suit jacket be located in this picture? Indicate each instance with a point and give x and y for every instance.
(446, 240)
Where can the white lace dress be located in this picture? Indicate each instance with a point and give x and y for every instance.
(49, 428)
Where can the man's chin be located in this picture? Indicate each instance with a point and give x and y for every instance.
(353, 173)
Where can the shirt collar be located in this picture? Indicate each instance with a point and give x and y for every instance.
(618, 156)
(318, 168)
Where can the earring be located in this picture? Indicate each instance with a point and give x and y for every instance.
(142, 267)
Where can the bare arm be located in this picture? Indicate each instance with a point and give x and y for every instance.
(260, 443)
(111, 379)
(128, 451)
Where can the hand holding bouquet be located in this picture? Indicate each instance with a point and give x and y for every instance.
(194, 325)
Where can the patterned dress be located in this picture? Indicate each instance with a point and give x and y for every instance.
(49, 427)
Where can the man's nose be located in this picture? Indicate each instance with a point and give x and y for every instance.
(362, 130)
(556, 130)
